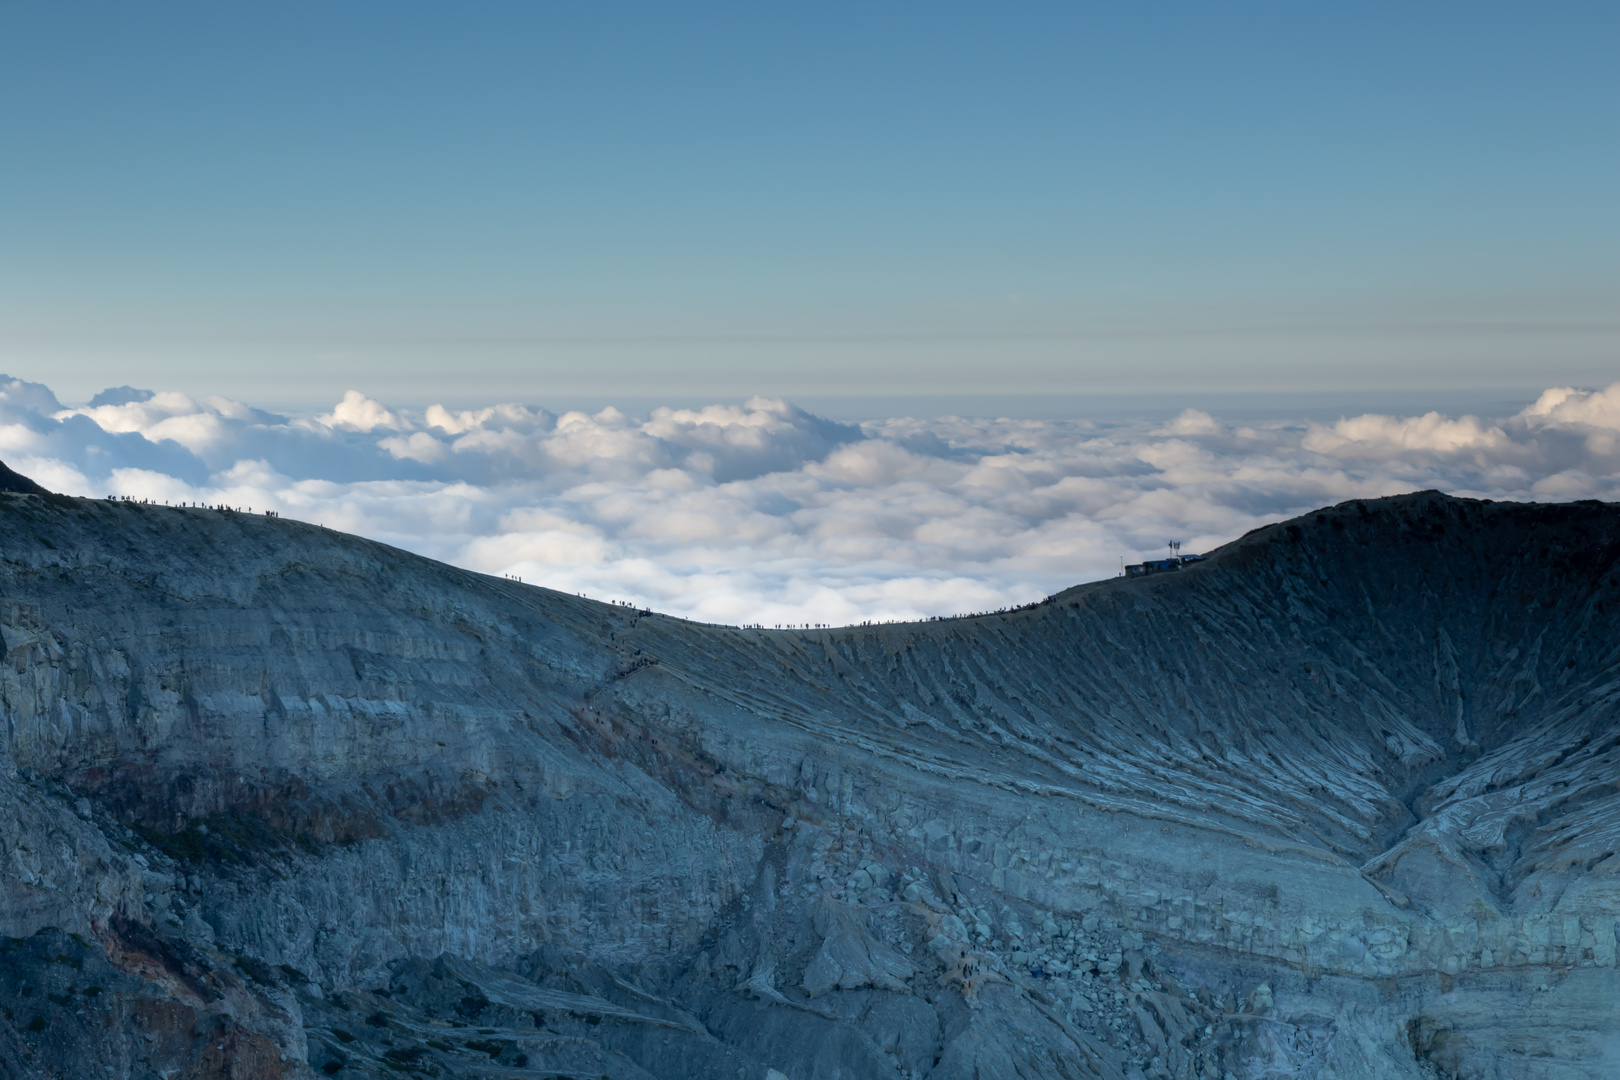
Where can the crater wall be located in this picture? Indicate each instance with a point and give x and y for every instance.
(1340, 800)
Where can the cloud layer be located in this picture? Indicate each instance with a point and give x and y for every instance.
(765, 513)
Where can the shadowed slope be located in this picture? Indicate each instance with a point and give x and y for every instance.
(16, 483)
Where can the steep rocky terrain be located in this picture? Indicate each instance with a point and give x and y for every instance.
(1341, 801)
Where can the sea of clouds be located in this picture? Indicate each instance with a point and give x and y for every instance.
(765, 513)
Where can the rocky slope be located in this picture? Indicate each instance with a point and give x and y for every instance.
(1340, 801)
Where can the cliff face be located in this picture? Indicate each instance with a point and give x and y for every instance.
(1340, 801)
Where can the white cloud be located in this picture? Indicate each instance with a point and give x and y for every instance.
(1192, 422)
(1388, 436)
(420, 446)
(761, 512)
(356, 412)
(1566, 405)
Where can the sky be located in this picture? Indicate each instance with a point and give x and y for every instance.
(903, 208)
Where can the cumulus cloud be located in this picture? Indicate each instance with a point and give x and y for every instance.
(1567, 405)
(1388, 436)
(356, 412)
(762, 512)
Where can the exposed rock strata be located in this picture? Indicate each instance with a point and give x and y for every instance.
(1340, 801)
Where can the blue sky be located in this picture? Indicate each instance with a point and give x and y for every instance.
(531, 202)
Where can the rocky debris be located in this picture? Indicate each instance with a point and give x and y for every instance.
(849, 958)
(1337, 801)
(133, 1003)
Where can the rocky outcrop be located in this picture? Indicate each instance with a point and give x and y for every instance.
(1339, 801)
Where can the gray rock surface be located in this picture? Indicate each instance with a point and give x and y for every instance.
(1341, 801)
